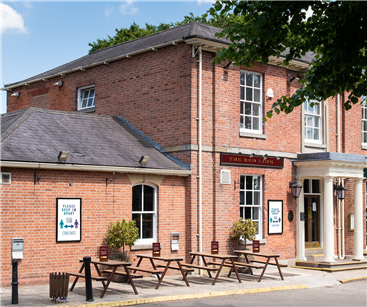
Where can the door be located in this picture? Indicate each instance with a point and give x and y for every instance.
(312, 221)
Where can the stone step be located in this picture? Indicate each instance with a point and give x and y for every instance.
(339, 265)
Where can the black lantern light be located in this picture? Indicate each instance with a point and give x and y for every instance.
(295, 188)
(340, 191)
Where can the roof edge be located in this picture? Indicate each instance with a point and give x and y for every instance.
(156, 146)
(93, 168)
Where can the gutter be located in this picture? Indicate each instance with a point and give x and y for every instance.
(95, 168)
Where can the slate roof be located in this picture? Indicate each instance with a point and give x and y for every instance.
(187, 31)
(38, 135)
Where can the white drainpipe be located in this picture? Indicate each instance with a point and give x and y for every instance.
(341, 234)
(200, 156)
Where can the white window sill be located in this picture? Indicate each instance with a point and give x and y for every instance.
(87, 110)
(141, 246)
(252, 135)
(364, 146)
(262, 241)
(315, 145)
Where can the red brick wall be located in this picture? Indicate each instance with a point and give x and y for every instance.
(29, 211)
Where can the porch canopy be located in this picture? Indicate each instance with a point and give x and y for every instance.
(329, 166)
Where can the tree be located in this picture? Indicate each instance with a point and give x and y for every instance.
(135, 31)
(243, 230)
(336, 33)
(120, 234)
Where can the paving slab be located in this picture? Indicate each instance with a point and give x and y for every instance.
(174, 288)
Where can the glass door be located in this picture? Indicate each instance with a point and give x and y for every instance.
(312, 221)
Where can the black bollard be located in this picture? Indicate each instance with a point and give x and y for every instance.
(14, 284)
(88, 279)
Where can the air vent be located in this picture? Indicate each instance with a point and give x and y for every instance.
(5, 178)
(225, 176)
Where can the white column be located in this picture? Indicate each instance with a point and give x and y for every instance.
(328, 220)
(358, 220)
(300, 231)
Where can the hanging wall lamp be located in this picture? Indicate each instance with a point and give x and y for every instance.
(295, 188)
(340, 191)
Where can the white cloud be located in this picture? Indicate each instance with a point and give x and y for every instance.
(128, 8)
(109, 10)
(11, 20)
(201, 2)
(28, 5)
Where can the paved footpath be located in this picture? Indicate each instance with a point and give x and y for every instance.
(174, 288)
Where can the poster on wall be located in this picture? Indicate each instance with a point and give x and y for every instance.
(275, 217)
(68, 219)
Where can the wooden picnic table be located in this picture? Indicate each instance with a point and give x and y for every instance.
(160, 273)
(266, 262)
(222, 257)
(105, 279)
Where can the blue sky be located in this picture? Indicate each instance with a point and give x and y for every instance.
(39, 35)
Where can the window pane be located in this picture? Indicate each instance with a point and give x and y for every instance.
(242, 106)
(309, 133)
(90, 102)
(315, 186)
(248, 108)
(248, 122)
(316, 134)
(364, 137)
(256, 109)
(242, 182)
(256, 198)
(242, 198)
(248, 182)
(84, 103)
(137, 206)
(256, 81)
(242, 93)
(306, 186)
(241, 212)
(317, 109)
(256, 183)
(309, 121)
(364, 125)
(249, 79)
(147, 230)
(85, 94)
(136, 218)
(243, 76)
(242, 125)
(148, 198)
(256, 122)
(256, 95)
(91, 93)
(247, 213)
(249, 93)
(256, 214)
(317, 122)
(248, 198)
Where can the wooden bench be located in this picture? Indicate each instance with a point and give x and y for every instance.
(196, 266)
(172, 267)
(100, 278)
(272, 263)
(124, 273)
(145, 270)
(239, 264)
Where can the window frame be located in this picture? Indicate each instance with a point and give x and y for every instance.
(81, 91)
(313, 115)
(364, 120)
(243, 190)
(1, 178)
(243, 114)
(154, 212)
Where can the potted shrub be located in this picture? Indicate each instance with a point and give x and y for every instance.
(241, 231)
(121, 234)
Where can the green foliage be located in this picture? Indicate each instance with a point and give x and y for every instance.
(122, 233)
(336, 33)
(135, 31)
(243, 230)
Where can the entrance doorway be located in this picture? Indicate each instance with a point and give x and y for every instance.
(312, 221)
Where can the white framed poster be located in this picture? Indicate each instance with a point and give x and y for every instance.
(68, 219)
(275, 217)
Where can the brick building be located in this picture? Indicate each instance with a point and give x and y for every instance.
(209, 117)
